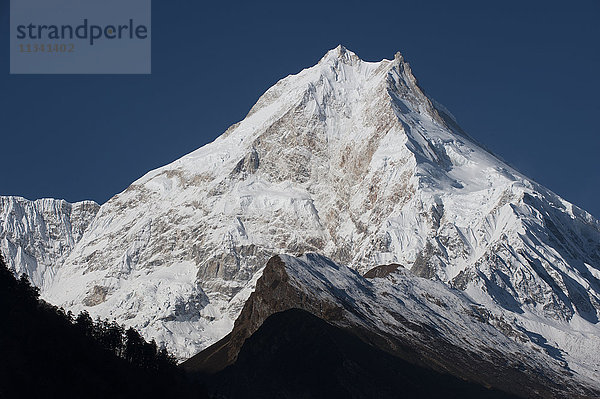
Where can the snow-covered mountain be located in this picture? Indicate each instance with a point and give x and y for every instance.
(349, 159)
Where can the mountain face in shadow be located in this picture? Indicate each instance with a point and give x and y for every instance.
(297, 355)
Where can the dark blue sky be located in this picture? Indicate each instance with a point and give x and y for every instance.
(522, 77)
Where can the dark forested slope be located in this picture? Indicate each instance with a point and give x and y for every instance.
(45, 352)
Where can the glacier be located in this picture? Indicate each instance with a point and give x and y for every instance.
(37, 236)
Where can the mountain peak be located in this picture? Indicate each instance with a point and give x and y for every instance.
(340, 53)
(398, 57)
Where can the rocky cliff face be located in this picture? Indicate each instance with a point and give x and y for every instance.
(349, 159)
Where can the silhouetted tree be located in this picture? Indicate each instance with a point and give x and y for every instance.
(29, 291)
(134, 347)
(5, 274)
(7, 278)
(110, 335)
(165, 360)
(149, 351)
(85, 324)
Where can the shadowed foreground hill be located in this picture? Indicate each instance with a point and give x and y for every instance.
(45, 354)
(297, 355)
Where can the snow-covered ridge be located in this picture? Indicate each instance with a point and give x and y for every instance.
(430, 316)
(420, 320)
(349, 159)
